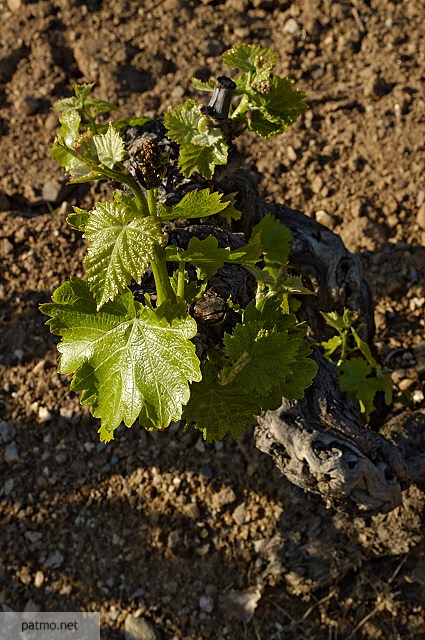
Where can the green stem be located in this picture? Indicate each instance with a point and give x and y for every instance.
(180, 279)
(344, 348)
(152, 198)
(164, 290)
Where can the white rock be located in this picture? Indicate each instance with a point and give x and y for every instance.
(139, 629)
(44, 414)
(291, 26)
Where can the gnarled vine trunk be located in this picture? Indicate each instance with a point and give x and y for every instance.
(320, 442)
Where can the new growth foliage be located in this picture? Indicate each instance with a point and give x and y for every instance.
(136, 361)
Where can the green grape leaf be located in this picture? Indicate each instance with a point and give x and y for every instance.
(282, 101)
(264, 124)
(258, 357)
(195, 204)
(83, 173)
(331, 345)
(129, 122)
(208, 138)
(82, 91)
(230, 212)
(300, 376)
(121, 247)
(129, 360)
(364, 348)
(110, 147)
(67, 104)
(205, 255)
(217, 409)
(182, 124)
(268, 312)
(275, 240)
(79, 219)
(68, 134)
(202, 159)
(249, 57)
(290, 284)
(353, 378)
(250, 253)
(203, 86)
(99, 106)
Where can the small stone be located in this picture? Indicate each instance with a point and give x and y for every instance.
(357, 208)
(192, 511)
(239, 513)
(213, 48)
(31, 607)
(7, 431)
(51, 190)
(139, 629)
(291, 26)
(224, 497)
(420, 216)
(33, 536)
(325, 218)
(200, 446)
(405, 384)
(418, 396)
(207, 472)
(173, 541)
(291, 154)
(178, 92)
(11, 453)
(420, 198)
(14, 5)
(51, 122)
(398, 375)
(317, 184)
(206, 603)
(8, 487)
(44, 414)
(54, 561)
(6, 248)
(38, 579)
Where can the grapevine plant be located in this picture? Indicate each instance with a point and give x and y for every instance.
(136, 360)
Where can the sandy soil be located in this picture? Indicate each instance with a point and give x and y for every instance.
(163, 527)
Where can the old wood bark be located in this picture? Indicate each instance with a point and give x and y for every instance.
(320, 442)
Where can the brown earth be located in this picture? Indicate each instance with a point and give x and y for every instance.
(164, 527)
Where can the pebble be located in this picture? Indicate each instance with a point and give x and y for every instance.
(192, 510)
(139, 629)
(239, 513)
(325, 218)
(418, 396)
(51, 190)
(291, 154)
(178, 92)
(420, 198)
(206, 603)
(38, 579)
(200, 446)
(223, 497)
(55, 560)
(8, 487)
(420, 216)
(317, 184)
(6, 247)
(405, 384)
(44, 414)
(11, 453)
(33, 536)
(7, 431)
(14, 5)
(291, 26)
(398, 375)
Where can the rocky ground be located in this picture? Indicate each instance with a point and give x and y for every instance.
(194, 540)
